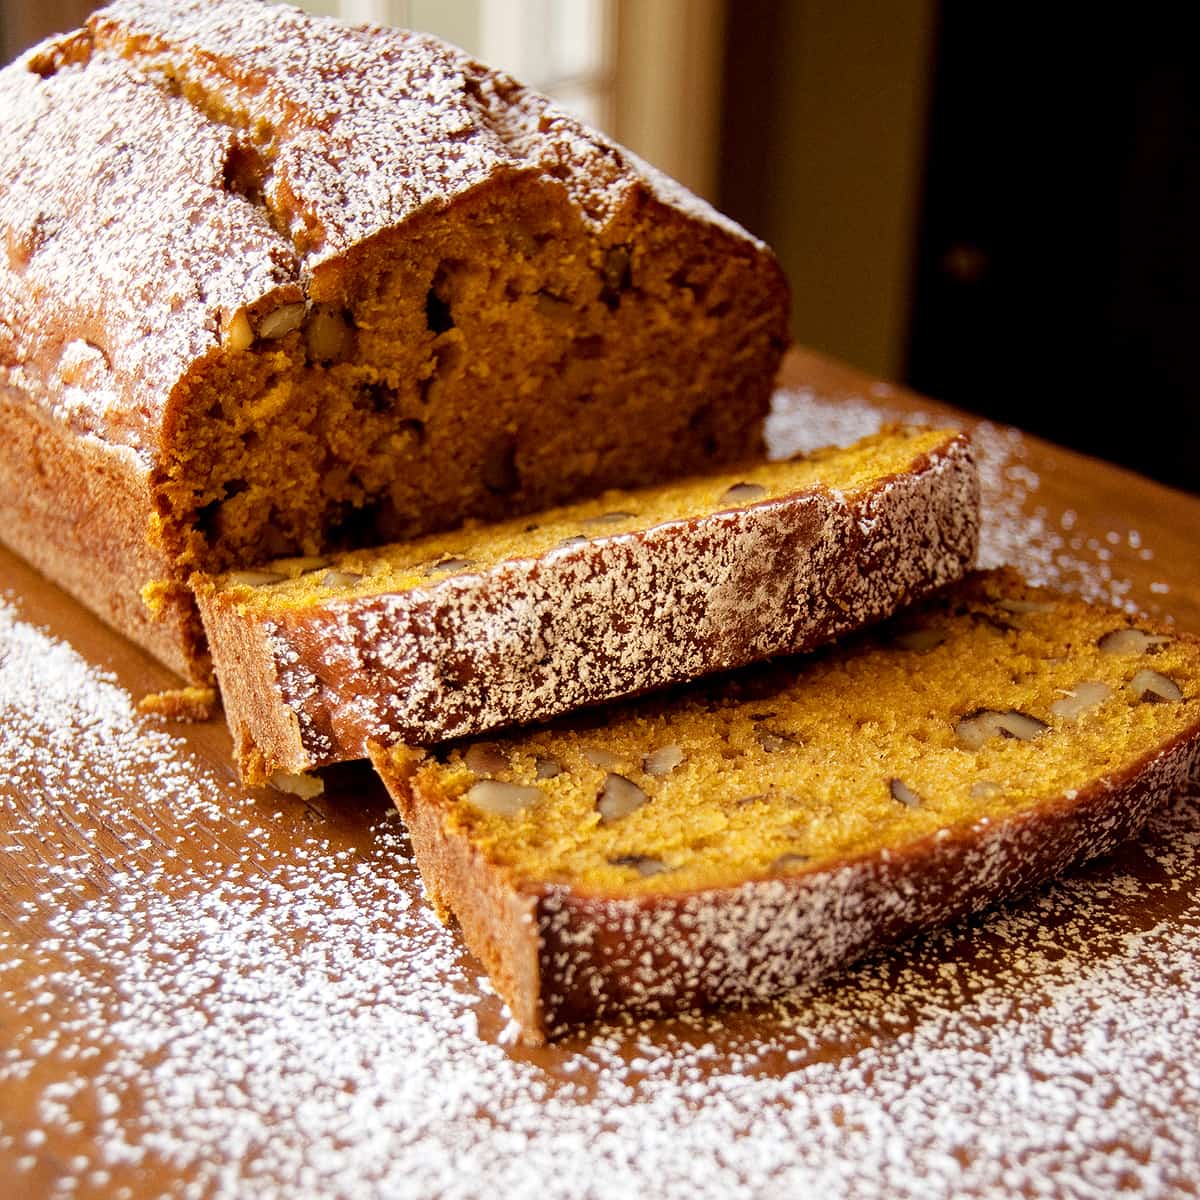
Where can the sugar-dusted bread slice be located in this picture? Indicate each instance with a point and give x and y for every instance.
(454, 634)
(765, 828)
(271, 284)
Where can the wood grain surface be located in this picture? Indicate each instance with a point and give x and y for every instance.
(208, 991)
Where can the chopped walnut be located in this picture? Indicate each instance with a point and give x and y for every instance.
(449, 564)
(663, 760)
(483, 758)
(1131, 641)
(1081, 697)
(743, 493)
(1155, 688)
(502, 799)
(641, 863)
(903, 793)
(605, 759)
(238, 334)
(340, 579)
(282, 321)
(976, 728)
(618, 798)
(920, 640)
(328, 335)
(773, 742)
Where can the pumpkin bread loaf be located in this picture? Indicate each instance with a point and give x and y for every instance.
(763, 828)
(453, 634)
(272, 285)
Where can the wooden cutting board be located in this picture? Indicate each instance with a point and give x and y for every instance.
(210, 991)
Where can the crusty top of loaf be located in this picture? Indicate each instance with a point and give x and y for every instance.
(128, 247)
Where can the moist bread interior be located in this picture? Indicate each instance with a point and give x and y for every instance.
(297, 582)
(499, 359)
(993, 699)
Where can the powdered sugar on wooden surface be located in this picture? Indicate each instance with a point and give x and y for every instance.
(1017, 530)
(208, 993)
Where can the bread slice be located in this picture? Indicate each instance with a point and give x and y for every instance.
(455, 634)
(275, 284)
(768, 827)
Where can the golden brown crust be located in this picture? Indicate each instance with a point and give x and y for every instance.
(265, 733)
(604, 958)
(80, 513)
(601, 957)
(498, 921)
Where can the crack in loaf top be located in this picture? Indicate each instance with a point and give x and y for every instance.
(128, 248)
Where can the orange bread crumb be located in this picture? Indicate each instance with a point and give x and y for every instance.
(974, 720)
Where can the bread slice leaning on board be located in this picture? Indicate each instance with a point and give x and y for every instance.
(455, 634)
(759, 830)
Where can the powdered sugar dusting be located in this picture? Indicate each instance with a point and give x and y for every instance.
(208, 992)
(1017, 530)
(296, 1024)
(133, 259)
(377, 124)
(529, 638)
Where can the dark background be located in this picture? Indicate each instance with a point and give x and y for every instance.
(1056, 255)
(1058, 277)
